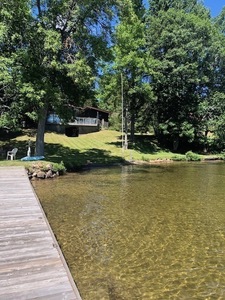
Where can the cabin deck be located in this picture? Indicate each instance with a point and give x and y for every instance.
(31, 263)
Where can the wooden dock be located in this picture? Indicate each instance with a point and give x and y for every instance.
(31, 263)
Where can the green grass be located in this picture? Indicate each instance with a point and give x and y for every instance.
(102, 147)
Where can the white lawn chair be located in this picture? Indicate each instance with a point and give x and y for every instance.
(12, 154)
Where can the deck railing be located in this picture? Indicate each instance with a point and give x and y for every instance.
(85, 121)
(54, 119)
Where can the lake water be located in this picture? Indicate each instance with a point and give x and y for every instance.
(139, 232)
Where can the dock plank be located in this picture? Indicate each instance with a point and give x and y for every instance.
(32, 265)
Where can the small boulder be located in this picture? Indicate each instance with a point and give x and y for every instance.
(41, 174)
(49, 167)
(49, 174)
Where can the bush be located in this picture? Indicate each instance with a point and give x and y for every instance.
(191, 156)
(144, 158)
(115, 121)
(55, 167)
(59, 167)
(178, 158)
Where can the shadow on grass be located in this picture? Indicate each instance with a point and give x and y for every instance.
(72, 159)
(147, 144)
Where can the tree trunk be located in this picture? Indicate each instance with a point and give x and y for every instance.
(126, 129)
(205, 150)
(132, 127)
(175, 143)
(39, 151)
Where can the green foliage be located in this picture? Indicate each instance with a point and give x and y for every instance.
(55, 167)
(144, 158)
(187, 46)
(59, 167)
(168, 63)
(222, 155)
(190, 6)
(178, 158)
(220, 20)
(115, 121)
(48, 57)
(128, 75)
(191, 156)
(187, 131)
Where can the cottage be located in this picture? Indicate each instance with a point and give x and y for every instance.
(88, 119)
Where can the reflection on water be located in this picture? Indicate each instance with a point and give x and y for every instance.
(142, 233)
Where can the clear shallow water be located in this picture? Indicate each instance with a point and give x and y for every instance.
(141, 233)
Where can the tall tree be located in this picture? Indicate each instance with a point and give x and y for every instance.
(216, 120)
(188, 6)
(180, 37)
(50, 51)
(129, 68)
(14, 20)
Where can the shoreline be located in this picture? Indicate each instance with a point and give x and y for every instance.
(47, 170)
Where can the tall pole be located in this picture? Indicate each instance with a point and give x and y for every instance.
(126, 140)
(122, 106)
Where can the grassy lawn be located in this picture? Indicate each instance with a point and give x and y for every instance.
(102, 147)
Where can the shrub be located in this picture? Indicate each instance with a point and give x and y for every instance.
(191, 156)
(59, 167)
(178, 158)
(115, 121)
(144, 158)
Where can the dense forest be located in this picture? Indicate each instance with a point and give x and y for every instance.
(164, 58)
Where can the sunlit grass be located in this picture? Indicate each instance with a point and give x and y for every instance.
(100, 147)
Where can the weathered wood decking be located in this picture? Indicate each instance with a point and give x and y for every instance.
(31, 263)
